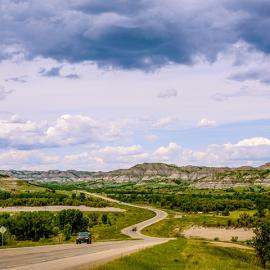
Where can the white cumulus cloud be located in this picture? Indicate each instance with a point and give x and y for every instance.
(65, 130)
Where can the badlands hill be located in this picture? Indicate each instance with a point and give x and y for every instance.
(197, 176)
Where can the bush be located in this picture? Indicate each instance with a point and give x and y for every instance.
(226, 212)
(234, 238)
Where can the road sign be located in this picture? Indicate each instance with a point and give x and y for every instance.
(3, 230)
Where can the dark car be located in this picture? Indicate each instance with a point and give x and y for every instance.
(83, 237)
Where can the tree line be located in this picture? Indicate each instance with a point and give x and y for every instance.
(199, 202)
(36, 225)
(48, 198)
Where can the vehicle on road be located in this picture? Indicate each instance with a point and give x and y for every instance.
(84, 237)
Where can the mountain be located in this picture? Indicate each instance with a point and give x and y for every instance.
(149, 171)
(51, 175)
(197, 176)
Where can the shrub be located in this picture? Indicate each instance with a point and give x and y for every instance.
(234, 238)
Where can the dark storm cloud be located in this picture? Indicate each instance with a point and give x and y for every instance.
(144, 34)
(254, 27)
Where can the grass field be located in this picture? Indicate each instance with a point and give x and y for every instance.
(183, 254)
(20, 186)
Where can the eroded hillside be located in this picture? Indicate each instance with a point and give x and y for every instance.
(196, 176)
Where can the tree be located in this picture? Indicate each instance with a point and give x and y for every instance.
(32, 225)
(73, 217)
(262, 242)
(104, 218)
(67, 231)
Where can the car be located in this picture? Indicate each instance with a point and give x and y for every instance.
(84, 237)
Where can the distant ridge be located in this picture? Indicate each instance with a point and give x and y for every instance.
(197, 176)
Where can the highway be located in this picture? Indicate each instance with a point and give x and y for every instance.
(72, 256)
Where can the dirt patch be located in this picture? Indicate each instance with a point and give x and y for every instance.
(56, 208)
(222, 234)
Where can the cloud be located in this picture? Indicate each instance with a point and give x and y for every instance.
(204, 122)
(242, 92)
(253, 74)
(20, 79)
(144, 35)
(254, 151)
(168, 93)
(255, 20)
(164, 122)
(57, 72)
(110, 156)
(18, 159)
(247, 151)
(256, 141)
(168, 153)
(4, 92)
(65, 130)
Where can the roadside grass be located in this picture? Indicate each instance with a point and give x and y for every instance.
(183, 254)
(41, 242)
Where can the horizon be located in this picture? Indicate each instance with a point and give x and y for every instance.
(105, 85)
(140, 164)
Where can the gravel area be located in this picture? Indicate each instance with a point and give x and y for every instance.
(222, 234)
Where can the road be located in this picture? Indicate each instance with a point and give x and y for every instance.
(71, 256)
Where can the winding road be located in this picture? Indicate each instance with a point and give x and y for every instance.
(71, 256)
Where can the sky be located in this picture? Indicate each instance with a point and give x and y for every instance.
(101, 85)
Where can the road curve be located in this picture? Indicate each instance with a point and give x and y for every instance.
(160, 215)
(71, 256)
